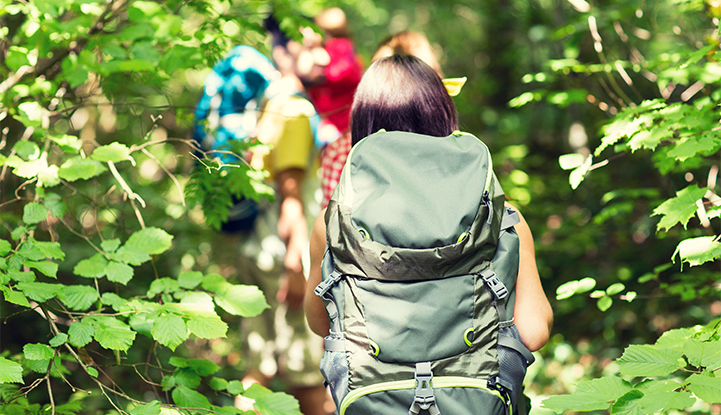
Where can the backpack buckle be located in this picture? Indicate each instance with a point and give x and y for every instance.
(326, 284)
(491, 279)
(424, 398)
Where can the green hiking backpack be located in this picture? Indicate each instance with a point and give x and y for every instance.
(419, 281)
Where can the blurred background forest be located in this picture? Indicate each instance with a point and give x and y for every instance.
(544, 77)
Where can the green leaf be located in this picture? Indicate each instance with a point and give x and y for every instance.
(68, 143)
(18, 233)
(30, 114)
(150, 408)
(119, 272)
(242, 300)
(595, 395)
(78, 297)
(110, 245)
(10, 372)
(5, 247)
(646, 360)
(112, 333)
(80, 333)
(691, 146)
(703, 353)
(58, 340)
(697, 251)
(649, 139)
(28, 150)
(151, 240)
(203, 367)
(604, 303)
(15, 297)
(162, 285)
(190, 279)
(34, 212)
(130, 256)
(50, 250)
(705, 387)
(680, 208)
(93, 267)
(170, 330)
(628, 404)
(168, 383)
(235, 387)
(115, 152)
(659, 396)
(30, 250)
(39, 291)
(47, 268)
(579, 173)
(185, 376)
(571, 288)
(615, 288)
(113, 300)
(207, 326)
(92, 371)
(219, 384)
(214, 283)
(571, 161)
(55, 205)
(188, 398)
(272, 403)
(16, 57)
(78, 168)
(200, 301)
(22, 276)
(36, 351)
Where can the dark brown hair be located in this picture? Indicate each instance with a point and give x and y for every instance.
(402, 93)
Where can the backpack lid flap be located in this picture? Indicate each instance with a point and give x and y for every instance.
(410, 206)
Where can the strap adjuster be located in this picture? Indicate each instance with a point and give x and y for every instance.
(326, 284)
(491, 279)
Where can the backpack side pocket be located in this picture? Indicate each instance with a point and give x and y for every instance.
(513, 360)
(334, 367)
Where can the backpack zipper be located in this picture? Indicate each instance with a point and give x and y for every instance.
(438, 382)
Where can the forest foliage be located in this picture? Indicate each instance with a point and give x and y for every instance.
(604, 124)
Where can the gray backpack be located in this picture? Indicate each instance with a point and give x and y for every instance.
(418, 281)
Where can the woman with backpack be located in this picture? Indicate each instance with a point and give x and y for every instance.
(403, 94)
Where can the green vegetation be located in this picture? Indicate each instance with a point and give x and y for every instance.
(604, 124)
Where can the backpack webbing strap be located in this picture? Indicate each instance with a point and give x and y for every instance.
(511, 343)
(322, 291)
(424, 399)
(499, 291)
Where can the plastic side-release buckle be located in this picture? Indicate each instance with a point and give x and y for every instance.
(328, 283)
(495, 383)
(424, 398)
(491, 279)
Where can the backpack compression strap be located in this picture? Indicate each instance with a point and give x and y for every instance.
(323, 291)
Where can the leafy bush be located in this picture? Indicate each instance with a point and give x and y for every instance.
(94, 110)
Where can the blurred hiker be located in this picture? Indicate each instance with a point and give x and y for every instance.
(267, 250)
(336, 152)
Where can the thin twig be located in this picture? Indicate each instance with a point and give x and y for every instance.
(132, 195)
(172, 177)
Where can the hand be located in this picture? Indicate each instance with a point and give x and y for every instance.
(292, 289)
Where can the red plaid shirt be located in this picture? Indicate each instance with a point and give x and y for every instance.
(332, 162)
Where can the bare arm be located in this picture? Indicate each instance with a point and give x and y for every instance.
(314, 308)
(533, 314)
(293, 231)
